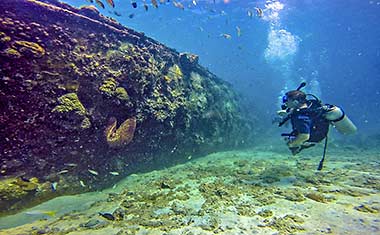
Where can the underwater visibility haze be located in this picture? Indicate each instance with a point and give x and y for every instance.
(333, 45)
(173, 117)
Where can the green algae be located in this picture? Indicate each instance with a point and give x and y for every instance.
(15, 188)
(12, 53)
(108, 87)
(121, 94)
(70, 103)
(175, 73)
(29, 48)
(126, 47)
(86, 123)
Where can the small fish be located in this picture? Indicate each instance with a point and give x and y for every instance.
(71, 164)
(134, 4)
(107, 215)
(82, 183)
(259, 12)
(53, 186)
(201, 29)
(194, 2)
(226, 36)
(238, 31)
(145, 5)
(130, 16)
(114, 173)
(154, 3)
(90, 1)
(111, 3)
(174, 149)
(250, 14)
(99, 3)
(117, 13)
(62, 172)
(178, 5)
(93, 172)
(37, 212)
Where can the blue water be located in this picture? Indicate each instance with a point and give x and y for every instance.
(333, 45)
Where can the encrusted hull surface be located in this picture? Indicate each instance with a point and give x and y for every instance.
(82, 96)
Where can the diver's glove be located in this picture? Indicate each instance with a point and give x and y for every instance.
(281, 115)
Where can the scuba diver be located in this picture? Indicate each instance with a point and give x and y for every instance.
(310, 121)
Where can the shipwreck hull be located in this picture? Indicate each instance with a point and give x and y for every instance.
(82, 96)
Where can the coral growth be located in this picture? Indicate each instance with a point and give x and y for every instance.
(11, 53)
(288, 224)
(108, 87)
(4, 38)
(70, 106)
(29, 48)
(174, 73)
(70, 102)
(121, 94)
(316, 197)
(119, 137)
(15, 189)
(188, 60)
(196, 81)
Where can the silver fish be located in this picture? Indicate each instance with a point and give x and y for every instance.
(70, 164)
(82, 183)
(62, 172)
(93, 172)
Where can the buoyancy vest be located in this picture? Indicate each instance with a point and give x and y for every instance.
(319, 126)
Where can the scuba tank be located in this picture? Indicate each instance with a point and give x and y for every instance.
(339, 120)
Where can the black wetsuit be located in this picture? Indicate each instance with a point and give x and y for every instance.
(310, 121)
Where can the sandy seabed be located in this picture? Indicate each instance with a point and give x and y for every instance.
(255, 191)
